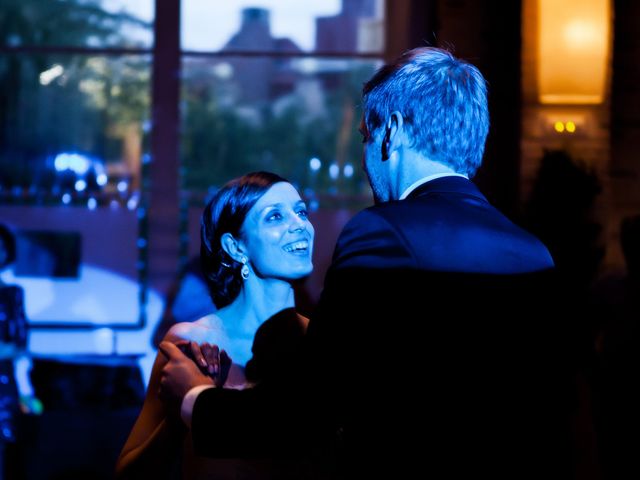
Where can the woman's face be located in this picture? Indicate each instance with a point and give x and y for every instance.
(278, 236)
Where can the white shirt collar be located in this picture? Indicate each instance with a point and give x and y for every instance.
(426, 179)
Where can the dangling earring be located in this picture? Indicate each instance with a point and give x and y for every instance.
(244, 271)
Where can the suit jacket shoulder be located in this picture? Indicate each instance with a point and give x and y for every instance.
(370, 240)
(446, 225)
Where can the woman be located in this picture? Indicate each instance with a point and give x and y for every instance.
(256, 242)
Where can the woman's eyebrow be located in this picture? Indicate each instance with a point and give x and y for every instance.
(272, 205)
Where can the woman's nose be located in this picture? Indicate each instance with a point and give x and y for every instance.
(297, 224)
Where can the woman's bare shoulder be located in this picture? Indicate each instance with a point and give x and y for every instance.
(202, 330)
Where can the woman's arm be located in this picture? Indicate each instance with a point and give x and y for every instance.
(155, 442)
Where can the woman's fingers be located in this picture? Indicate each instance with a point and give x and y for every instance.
(211, 353)
(209, 358)
(216, 358)
(198, 356)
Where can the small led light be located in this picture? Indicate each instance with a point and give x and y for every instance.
(348, 170)
(315, 164)
(80, 185)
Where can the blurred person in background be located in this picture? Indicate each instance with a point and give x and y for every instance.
(13, 341)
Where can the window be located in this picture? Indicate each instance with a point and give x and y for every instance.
(74, 120)
(75, 95)
(265, 84)
(277, 86)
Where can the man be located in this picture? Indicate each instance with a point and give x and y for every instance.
(424, 350)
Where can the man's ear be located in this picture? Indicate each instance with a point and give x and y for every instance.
(232, 247)
(393, 134)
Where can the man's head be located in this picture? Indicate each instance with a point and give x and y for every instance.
(439, 101)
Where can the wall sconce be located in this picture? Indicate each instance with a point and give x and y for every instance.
(573, 51)
(564, 127)
(565, 122)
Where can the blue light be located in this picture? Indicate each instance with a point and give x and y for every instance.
(66, 198)
(122, 186)
(75, 162)
(92, 203)
(315, 164)
(80, 185)
(348, 170)
(102, 179)
(61, 162)
(334, 171)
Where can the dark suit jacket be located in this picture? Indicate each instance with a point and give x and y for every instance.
(432, 346)
(445, 225)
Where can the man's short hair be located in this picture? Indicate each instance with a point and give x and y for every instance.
(443, 101)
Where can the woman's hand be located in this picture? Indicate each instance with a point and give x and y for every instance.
(212, 361)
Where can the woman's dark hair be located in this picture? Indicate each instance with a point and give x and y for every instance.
(9, 241)
(225, 213)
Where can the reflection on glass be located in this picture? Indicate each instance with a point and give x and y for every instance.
(348, 26)
(78, 23)
(297, 117)
(72, 127)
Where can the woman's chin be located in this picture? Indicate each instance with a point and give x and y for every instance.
(302, 273)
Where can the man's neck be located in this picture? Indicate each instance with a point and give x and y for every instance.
(418, 183)
(414, 171)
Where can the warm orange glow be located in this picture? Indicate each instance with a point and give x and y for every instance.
(571, 127)
(559, 127)
(573, 47)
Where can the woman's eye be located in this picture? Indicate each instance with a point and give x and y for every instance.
(303, 213)
(274, 216)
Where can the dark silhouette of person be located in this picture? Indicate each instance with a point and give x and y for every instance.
(13, 340)
(561, 212)
(618, 374)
